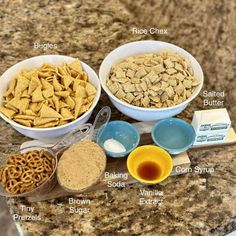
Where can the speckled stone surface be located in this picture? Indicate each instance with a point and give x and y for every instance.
(193, 204)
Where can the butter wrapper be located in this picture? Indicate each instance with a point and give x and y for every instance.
(210, 138)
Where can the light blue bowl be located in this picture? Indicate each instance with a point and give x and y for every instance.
(174, 135)
(121, 131)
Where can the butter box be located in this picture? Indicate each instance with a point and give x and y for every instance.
(210, 138)
(208, 122)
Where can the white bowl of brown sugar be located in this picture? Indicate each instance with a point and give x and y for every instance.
(150, 80)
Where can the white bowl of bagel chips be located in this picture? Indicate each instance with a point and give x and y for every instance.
(45, 97)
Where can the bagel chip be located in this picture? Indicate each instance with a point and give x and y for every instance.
(7, 112)
(48, 112)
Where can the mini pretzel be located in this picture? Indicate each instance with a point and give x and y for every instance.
(33, 160)
(27, 176)
(14, 172)
(25, 185)
(25, 168)
(16, 159)
(39, 169)
(12, 186)
(35, 163)
(37, 177)
(20, 161)
(11, 158)
(47, 165)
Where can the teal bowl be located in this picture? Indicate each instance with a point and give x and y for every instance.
(174, 135)
(123, 132)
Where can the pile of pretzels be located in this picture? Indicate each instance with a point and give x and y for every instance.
(24, 172)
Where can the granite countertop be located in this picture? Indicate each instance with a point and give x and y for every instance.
(193, 204)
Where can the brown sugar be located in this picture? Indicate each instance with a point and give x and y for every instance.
(81, 165)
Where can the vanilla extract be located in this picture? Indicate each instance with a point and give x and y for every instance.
(149, 170)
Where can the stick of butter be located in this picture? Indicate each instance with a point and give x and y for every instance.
(211, 126)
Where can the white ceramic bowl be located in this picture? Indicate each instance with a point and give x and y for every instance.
(48, 134)
(140, 47)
